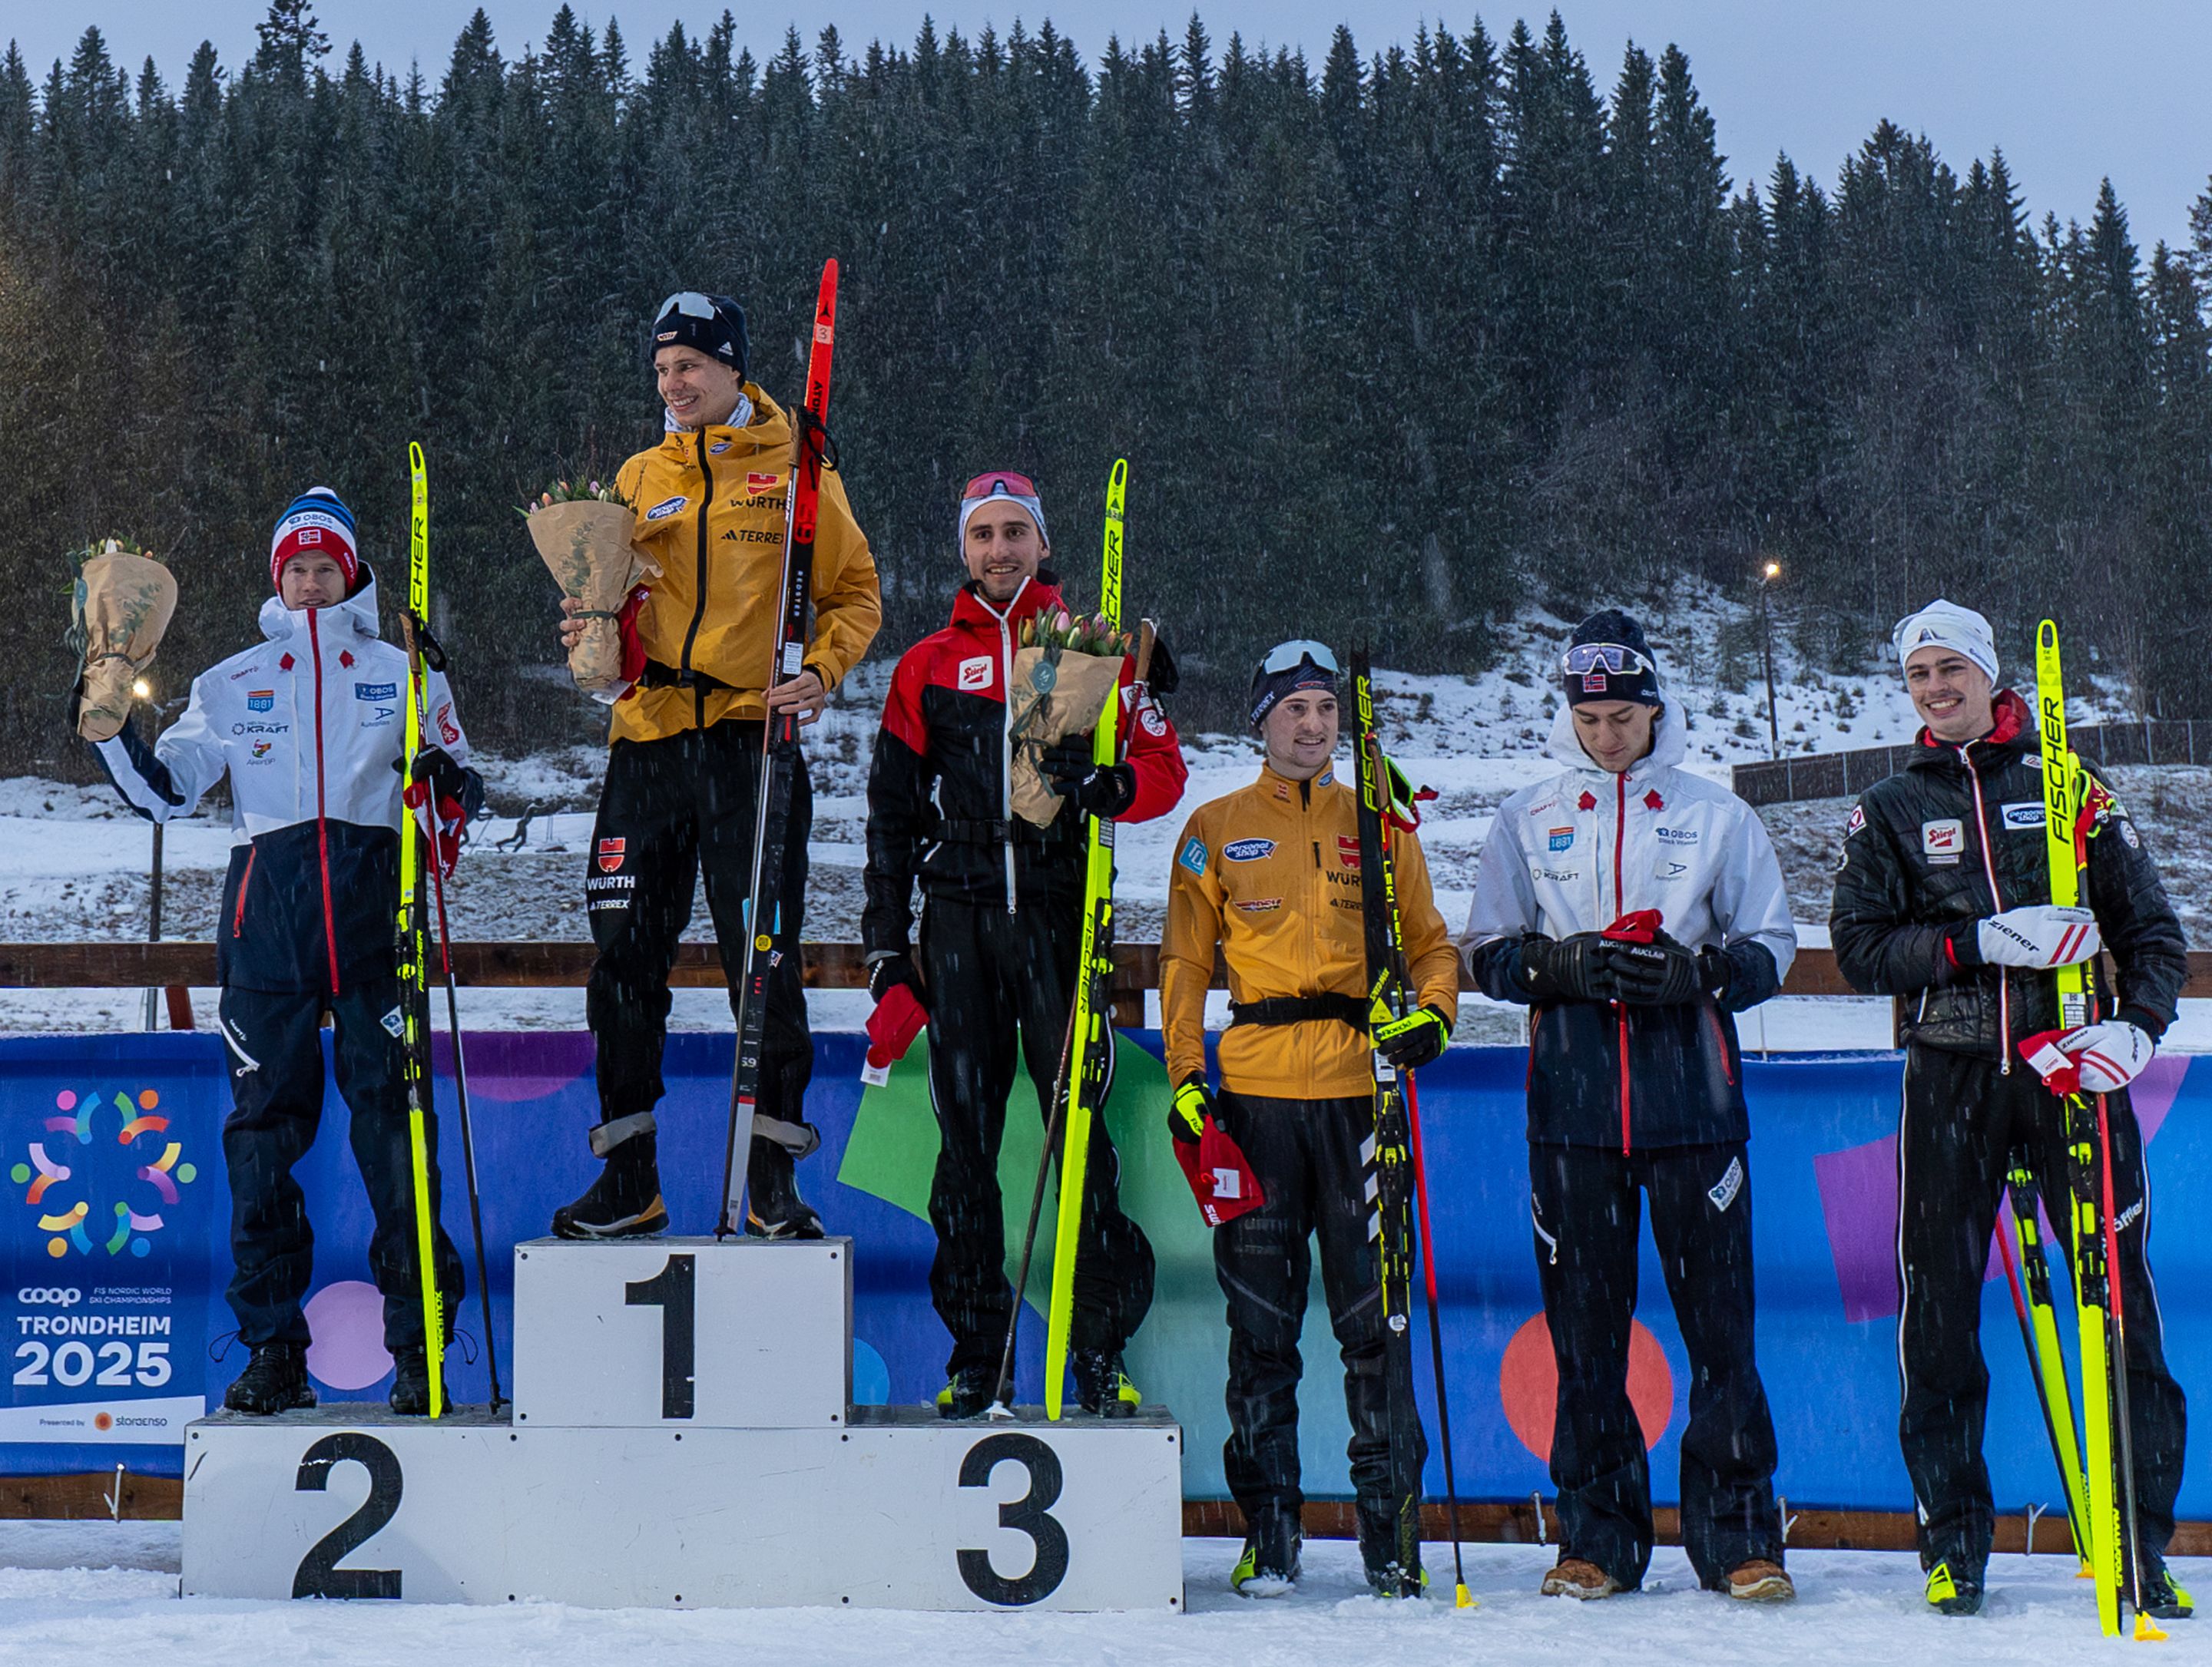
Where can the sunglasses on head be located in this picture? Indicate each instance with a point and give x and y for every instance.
(1287, 657)
(688, 302)
(1585, 658)
(1000, 480)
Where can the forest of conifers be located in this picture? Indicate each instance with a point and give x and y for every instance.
(1396, 343)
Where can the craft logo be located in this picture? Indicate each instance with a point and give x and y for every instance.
(376, 691)
(260, 699)
(1347, 850)
(70, 1199)
(611, 855)
(1248, 851)
(1562, 838)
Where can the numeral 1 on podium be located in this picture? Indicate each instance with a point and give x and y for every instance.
(674, 1291)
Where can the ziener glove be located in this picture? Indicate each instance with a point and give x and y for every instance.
(2099, 1058)
(890, 971)
(1664, 973)
(1414, 1041)
(1567, 969)
(1192, 1107)
(1098, 790)
(2039, 934)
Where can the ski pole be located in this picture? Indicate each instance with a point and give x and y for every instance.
(1002, 1409)
(2116, 1378)
(1462, 1598)
(468, 1131)
(2048, 1374)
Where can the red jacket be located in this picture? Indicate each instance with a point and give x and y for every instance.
(938, 806)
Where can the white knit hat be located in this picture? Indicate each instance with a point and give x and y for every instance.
(1943, 624)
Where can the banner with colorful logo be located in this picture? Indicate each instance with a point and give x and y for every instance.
(118, 1216)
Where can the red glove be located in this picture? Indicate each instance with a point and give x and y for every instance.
(1220, 1178)
(444, 830)
(897, 1020)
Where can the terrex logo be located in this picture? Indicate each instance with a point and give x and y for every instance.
(72, 1196)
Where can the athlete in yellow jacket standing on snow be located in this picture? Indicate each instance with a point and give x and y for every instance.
(683, 772)
(1271, 875)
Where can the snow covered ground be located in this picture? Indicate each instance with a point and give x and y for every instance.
(73, 861)
(106, 1592)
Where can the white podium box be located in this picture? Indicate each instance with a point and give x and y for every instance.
(742, 1334)
(899, 1509)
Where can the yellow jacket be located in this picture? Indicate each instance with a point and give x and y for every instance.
(710, 507)
(1271, 873)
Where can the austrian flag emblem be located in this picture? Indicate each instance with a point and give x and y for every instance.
(611, 855)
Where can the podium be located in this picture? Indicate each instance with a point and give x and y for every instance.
(682, 1436)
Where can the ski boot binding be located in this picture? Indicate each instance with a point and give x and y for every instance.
(1102, 1387)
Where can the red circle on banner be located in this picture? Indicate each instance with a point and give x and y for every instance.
(1528, 1385)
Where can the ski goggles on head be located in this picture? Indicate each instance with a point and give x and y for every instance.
(1287, 657)
(1015, 488)
(1585, 658)
(1288, 667)
(691, 303)
(712, 324)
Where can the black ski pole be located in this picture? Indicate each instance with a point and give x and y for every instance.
(1462, 1598)
(1000, 1407)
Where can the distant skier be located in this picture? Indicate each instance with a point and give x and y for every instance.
(310, 726)
(1944, 896)
(1001, 932)
(1270, 877)
(684, 764)
(1634, 907)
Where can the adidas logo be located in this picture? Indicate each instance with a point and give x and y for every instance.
(730, 535)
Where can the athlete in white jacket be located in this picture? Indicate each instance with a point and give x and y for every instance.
(310, 728)
(1635, 907)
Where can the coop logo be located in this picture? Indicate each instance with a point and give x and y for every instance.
(71, 1189)
(260, 699)
(48, 1296)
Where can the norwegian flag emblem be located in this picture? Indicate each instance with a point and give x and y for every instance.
(758, 482)
(1593, 682)
(309, 535)
(611, 855)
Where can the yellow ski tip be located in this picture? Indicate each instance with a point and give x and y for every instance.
(1464, 1599)
(2148, 1631)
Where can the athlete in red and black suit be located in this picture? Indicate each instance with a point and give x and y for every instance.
(1001, 930)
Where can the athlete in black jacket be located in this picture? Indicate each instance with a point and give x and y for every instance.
(1943, 897)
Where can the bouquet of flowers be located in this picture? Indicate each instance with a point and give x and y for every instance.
(120, 605)
(1068, 667)
(582, 531)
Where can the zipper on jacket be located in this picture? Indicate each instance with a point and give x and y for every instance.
(238, 914)
(1007, 734)
(699, 607)
(1620, 1008)
(1720, 1041)
(1996, 900)
(322, 821)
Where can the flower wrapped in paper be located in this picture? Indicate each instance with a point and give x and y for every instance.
(583, 534)
(123, 602)
(1068, 667)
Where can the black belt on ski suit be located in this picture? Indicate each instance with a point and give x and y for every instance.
(1299, 1009)
(981, 830)
(656, 676)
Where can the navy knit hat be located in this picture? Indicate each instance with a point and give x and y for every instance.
(714, 324)
(1610, 660)
(1290, 666)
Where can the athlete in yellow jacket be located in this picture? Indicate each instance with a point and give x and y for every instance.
(683, 767)
(1271, 875)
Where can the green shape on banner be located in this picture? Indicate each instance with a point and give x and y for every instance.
(1180, 1355)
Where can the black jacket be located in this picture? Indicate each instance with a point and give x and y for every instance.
(1957, 836)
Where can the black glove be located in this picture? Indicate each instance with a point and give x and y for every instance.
(1188, 1111)
(1567, 969)
(891, 971)
(1098, 790)
(1160, 675)
(1414, 1041)
(435, 766)
(1661, 973)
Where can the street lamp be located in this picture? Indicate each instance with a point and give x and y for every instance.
(1767, 574)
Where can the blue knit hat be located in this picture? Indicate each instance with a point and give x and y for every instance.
(1610, 660)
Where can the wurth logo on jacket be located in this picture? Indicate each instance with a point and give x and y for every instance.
(310, 727)
(939, 801)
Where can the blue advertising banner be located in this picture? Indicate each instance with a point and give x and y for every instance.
(116, 1240)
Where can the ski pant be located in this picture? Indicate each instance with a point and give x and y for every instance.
(670, 810)
(1586, 1201)
(277, 1102)
(1306, 1156)
(1961, 1121)
(992, 975)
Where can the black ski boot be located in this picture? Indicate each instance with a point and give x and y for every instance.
(2163, 1597)
(773, 1208)
(275, 1381)
(967, 1395)
(1269, 1566)
(1388, 1573)
(1954, 1586)
(411, 1384)
(1101, 1386)
(624, 1203)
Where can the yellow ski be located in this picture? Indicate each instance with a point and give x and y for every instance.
(414, 939)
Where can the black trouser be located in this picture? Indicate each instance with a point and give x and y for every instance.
(1962, 1120)
(276, 1102)
(669, 808)
(989, 974)
(1587, 1202)
(1305, 1154)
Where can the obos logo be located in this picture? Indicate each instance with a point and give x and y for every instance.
(92, 1177)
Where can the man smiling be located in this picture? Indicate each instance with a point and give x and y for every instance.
(1943, 897)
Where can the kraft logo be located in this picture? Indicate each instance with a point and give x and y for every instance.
(49, 1296)
(1248, 851)
(1561, 839)
(376, 691)
(260, 699)
(975, 674)
(666, 508)
(2024, 815)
